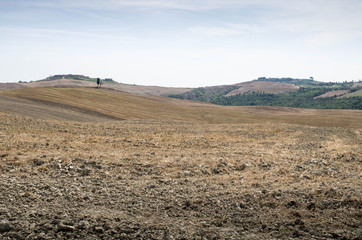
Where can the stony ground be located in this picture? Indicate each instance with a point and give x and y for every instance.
(176, 180)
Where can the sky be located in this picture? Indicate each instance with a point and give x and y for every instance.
(181, 43)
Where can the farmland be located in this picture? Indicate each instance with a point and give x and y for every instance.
(120, 166)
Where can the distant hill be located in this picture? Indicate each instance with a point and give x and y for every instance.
(287, 92)
(73, 80)
(208, 94)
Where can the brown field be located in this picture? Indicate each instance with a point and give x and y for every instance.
(72, 169)
(263, 86)
(333, 94)
(133, 89)
(89, 104)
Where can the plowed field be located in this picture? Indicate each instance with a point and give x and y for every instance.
(154, 179)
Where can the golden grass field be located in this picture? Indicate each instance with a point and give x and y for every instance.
(84, 163)
(120, 105)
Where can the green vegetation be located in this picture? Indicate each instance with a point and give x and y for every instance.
(354, 93)
(209, 94)
(305, 97)
(309, 83)
(294, 81)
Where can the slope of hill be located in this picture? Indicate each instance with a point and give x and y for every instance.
(120, 105)
(336, 93)
(287, 92)
(89, 104)
(357, 93)
(70, 80)
(209, 94)
(36, 109)
(264, 87)
(10, 86)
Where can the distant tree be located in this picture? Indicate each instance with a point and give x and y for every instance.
(98, 83)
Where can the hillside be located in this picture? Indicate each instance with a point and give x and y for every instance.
(357, 93)
(209, 94)
(71, 80)
(264, 87)
(90, 104)
(287, 92)
(336, 93)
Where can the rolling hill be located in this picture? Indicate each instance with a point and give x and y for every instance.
(264, 86)
(287, 92)
(70, 80)
(90, 104)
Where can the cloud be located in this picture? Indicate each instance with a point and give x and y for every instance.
(330, 38)
(193, 5)
(232, 29)
(316, 22)
(41, 32)
(182, 36)
(215, 31)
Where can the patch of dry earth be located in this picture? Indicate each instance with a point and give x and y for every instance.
(177, 180)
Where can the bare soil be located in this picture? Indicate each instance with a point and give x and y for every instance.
(178, 180)
(264, 86)
(10, 86)
(129, 88)
(43, 110)
(90, 104)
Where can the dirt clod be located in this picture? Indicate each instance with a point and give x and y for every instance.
(5, 226)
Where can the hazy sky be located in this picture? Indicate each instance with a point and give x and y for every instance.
(181, 43)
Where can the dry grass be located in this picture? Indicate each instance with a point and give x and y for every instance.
(333, 94)
(130, 88)
(264, 86)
